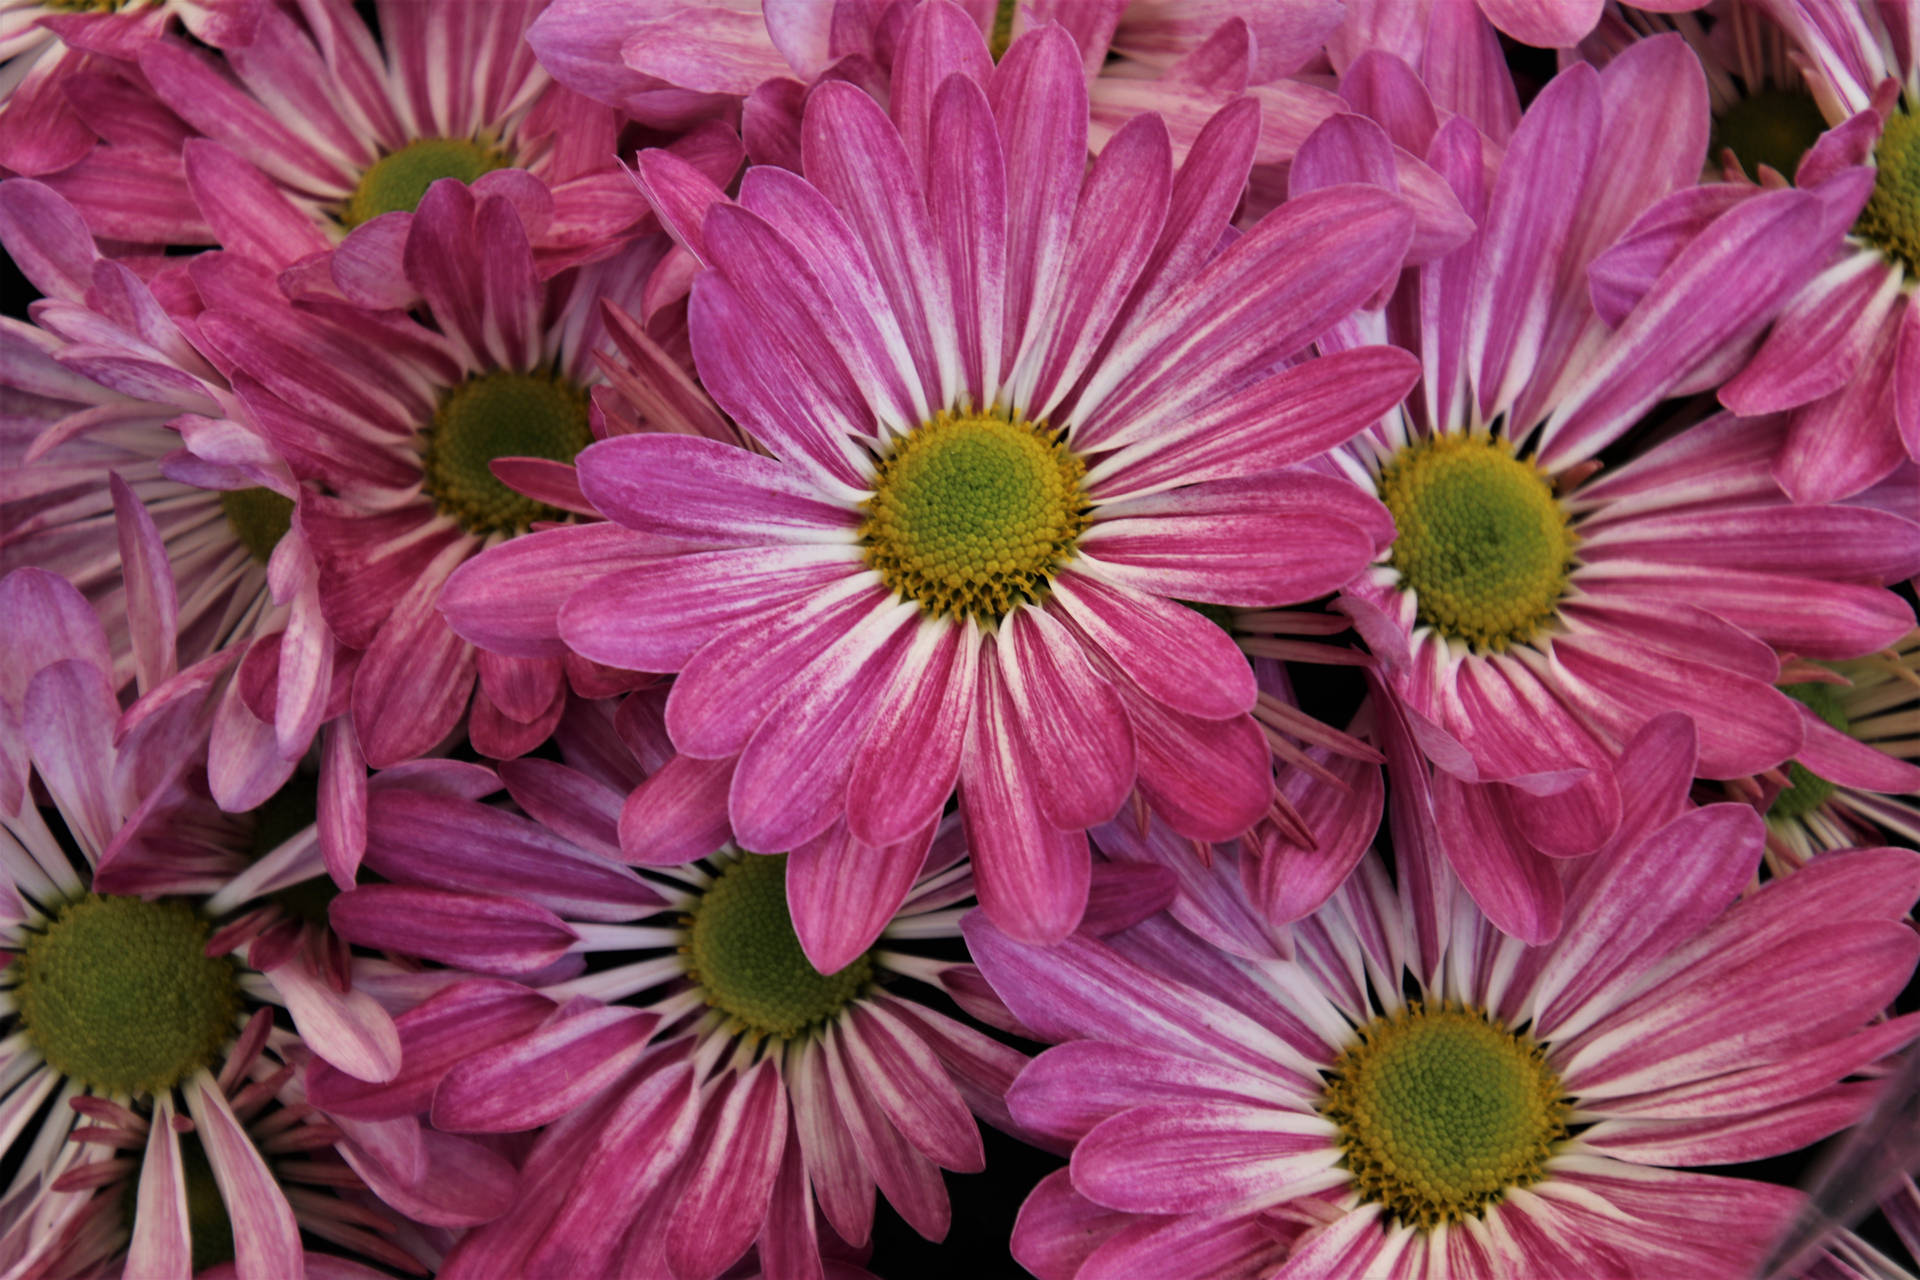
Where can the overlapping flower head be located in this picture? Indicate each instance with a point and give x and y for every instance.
(698, 1085)
(985, 388)
(150, 938)
(521, 640)
(1285, 1107)
(1535, 608)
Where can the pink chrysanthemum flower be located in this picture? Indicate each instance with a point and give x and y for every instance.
(401, 429)
(1517, 1111)
(701, 1085)
(1015, 421)
(315, 127)
(1531, 614)
(1844, 356)
(124, 469)
(47, 48)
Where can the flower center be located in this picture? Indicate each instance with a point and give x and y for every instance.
(119, 994)
(397, 181)
(747, 958)
(971, 515)
(500, 414)
(1441, 1111)
(1807, 790)
(1772, 127)
(1891, 219)
(289, 811)
(1482, 543)
(259, 518)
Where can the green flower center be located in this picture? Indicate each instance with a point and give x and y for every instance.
(397, 181)
(747, 958)
(1891, 219)
(1482, 543)
(259, 518)
(971, 515)
(209, 1229)
(1441, 1111)
(119, 994)
(500, 414)
(1773, 127)
(289, 811)
(1807, 790)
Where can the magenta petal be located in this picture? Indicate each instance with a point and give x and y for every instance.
(728, 1191)
(67, 724)
(266, 1239)
(1058, 1228)
(1210, 780)
(459, 1020)
(1287, 881)
(1169, 650)
(678, 814)
(347, 1028)
(910, 1181)
(1073, 1087)
(1032, 877)
(841, 893)
(894, 1067)
(162, 1244)
(915, 738)
(342, 815)
(1214, 1158)
(477, 931)
(1233, 1248)
(1852, 763)
(544, 1074)
(416, 678)
(1642, 902)
(464, 1183)
(1515, 885)
(1069, 721)
(834, 1166)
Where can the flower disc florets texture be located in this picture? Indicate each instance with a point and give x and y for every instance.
(396, 181)
(971, 514)
(501, 413)
(1482, 543)
(747, 959)
(1441, 1111)
(120, 994)
(1891, 219)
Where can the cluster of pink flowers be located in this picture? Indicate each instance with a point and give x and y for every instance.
(621, 620)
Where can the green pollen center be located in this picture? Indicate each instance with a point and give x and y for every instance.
(119, 994)
(1773, 127)
(972, 515)
(747, 958)
(1891, 219)
(500, 414)
(259, 518)
(1441, 1111)
(289, 811)
(1482, 543)
(1807, 790)
(397, 181)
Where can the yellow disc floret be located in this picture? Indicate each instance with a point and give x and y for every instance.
(119, 994)
(747, 960)
(398, 181)
(1482, 542)
(1442, 1111)
(500, 414)
(971, 515)
(1891, 219)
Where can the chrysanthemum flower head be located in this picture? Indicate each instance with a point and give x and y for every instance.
(1015, 422)
(1533, 611)
(420, 441)
(1515, 1110)
(699, 1085)
(115, 992)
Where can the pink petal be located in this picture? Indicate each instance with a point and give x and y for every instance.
(480, 932)
(1170, 651)
(842, 893)
(527, 1082)
(266, 1239)
(728, 1190)
(1207, 1157)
